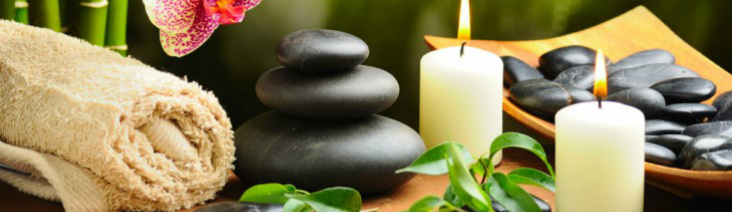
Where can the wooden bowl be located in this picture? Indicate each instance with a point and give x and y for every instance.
(634, 31)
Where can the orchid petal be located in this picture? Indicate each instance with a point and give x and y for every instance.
(232, 15)
(171, 15)
(178, 44)
(248, 4)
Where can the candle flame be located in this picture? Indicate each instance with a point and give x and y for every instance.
(600, 89)
(464, 24)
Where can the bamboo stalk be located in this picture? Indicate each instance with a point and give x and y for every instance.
(7, 9)
(21, 11)
(93, 21)
(116, 38)
(45, 13)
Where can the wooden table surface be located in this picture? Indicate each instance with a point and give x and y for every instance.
(401, 197)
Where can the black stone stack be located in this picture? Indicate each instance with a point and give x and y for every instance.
(323, 131)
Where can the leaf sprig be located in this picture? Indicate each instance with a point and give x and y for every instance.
(465, 192)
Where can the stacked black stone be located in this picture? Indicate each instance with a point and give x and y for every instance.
(323, 131)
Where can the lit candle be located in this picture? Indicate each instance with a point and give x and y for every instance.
(599, 154)
(460, 94)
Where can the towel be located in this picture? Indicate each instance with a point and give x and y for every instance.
(97, 131)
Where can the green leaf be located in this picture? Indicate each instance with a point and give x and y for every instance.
(479, 167)
(270, 193)
(533, 177)
(294, 205)
(510, 195)
(451, 198)
(463, 183)
(335, 199)
(518, 140)
(429, 203)
(433, 161)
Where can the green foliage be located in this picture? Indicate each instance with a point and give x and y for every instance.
(466, 190)
(509, 194)
(336, 199)
(450, 158)
(463, 183)
(433, 162)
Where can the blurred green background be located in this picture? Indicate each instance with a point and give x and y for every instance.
(234, 57)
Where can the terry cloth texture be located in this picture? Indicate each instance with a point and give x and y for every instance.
(100, 132)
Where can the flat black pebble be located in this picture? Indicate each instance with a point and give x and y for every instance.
(540, 97)
(710, 128)
(661, 126)
(703, 144)
(674, 142)
(651, 56)
(555, 61)
(659, 155)
(515, 70)
(358, 92)
(649, 101)
(695, 112)
(240, 207)
(359, 153)
(579, 95)
(497, 207)
(582, 77)
(690, 89)
(321, 50)
(724, 113)
(645, 76)
(717, 160)
(722, 99)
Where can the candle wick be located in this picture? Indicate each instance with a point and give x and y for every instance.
(462, 49)
(599, 103)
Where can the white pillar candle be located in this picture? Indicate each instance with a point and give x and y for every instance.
(460, 98)
(599, 158)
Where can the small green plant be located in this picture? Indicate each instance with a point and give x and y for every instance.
(451, 158)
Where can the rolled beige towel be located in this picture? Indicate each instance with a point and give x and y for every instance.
(100, 132)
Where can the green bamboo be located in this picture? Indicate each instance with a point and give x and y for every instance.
(45, 13)
(93, 21)
(116, 39)
(21, 11)
(7, 9)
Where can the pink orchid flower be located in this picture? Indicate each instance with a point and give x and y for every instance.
(186, 24)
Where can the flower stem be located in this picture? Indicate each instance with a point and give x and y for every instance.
(116, 39)
(93, 21)
(7, 9)
(45, 13)
(21, 11)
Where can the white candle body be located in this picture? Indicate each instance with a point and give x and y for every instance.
(461, 98)
(599, 158)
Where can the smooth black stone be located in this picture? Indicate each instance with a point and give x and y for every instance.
(651, 56)
(722, 102)
(659, 155)
(582, 77)
(718, 160)
(358, 92)
(645, 76)
(660, 127)
(321, 50)
(579, 95)
(555, 61)
(710, 128)
(360, 153)
(695, 112)
(674, 142)
(240, 207)
(497, 207)
(515, 70)
(540, 97)
(692, 89)
(722, 99)
(649, 101)
(703, 144)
